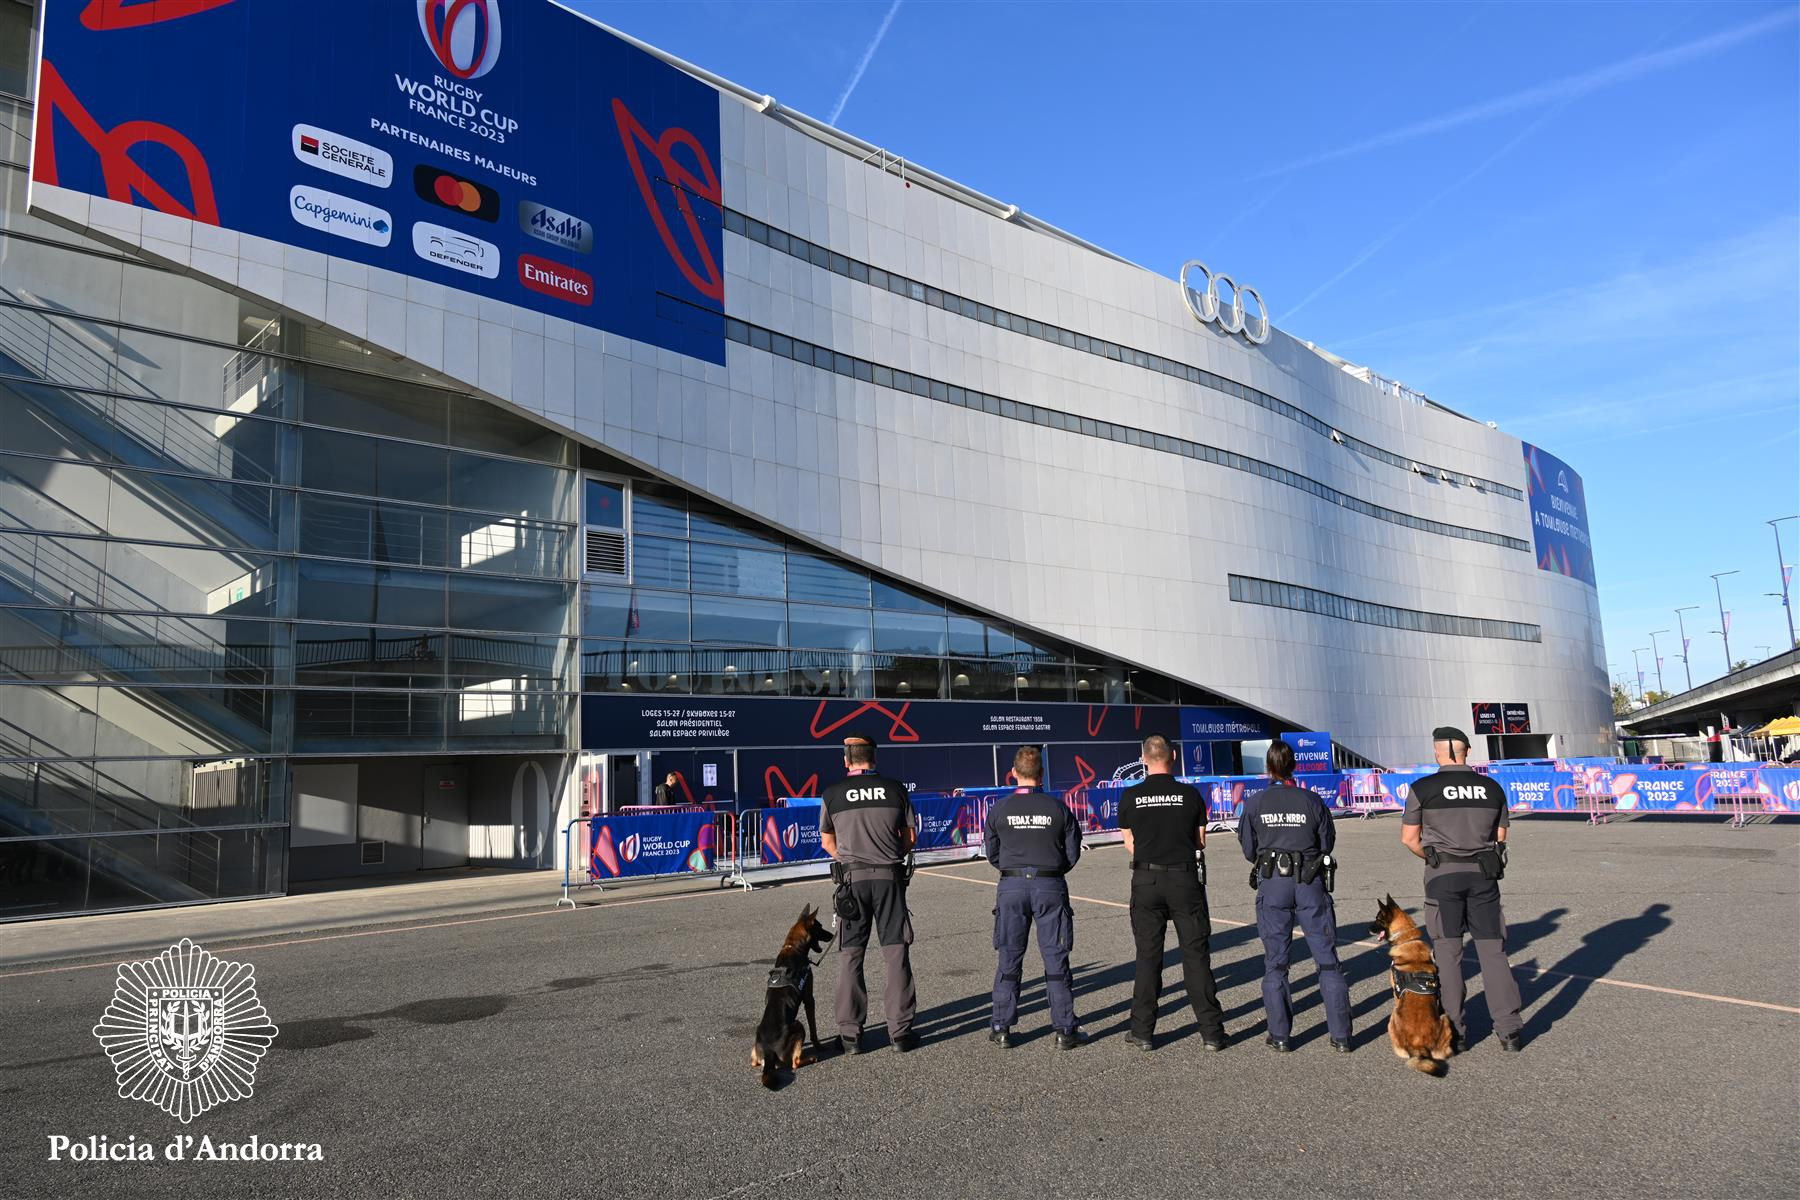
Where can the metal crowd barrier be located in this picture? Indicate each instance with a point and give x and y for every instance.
(1743, 807)
(1599, 806)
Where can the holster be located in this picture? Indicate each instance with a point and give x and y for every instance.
(1330, 867)
(843, 900)
(1431, 856)
(1201, 866)
(1255, 877)
(1310, 866)
(1492, 863)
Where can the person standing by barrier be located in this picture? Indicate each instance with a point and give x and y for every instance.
(668, 792)
(1456, 820)
(1164, 823)
(1034, 841)
(1287, 835)
(866, 825)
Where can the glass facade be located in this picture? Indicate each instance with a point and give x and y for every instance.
(713, 604)
(229, 541)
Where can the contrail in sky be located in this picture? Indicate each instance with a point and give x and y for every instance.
(1553, 92)
(862, 64)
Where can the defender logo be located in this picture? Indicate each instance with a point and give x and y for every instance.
(185, 1031)
(557, 228)
(458, 251)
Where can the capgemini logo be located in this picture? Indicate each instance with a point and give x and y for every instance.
(464, 34)
(631, 847)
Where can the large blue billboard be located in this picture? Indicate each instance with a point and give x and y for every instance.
(506, 148)
(1559, 524)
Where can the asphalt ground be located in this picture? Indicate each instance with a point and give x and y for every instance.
(605, 1051)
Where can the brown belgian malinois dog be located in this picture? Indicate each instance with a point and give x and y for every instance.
(778, 1038)
(1418, 1029)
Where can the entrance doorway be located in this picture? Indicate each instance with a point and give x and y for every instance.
(444, 818)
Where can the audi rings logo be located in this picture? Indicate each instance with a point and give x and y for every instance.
(463, 34)
(1209, 305)
(631, 847)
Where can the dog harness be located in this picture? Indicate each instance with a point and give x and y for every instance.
(794, 978)
(1419, 983)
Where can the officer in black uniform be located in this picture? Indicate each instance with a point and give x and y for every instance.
(1287, 835)
(1456, 821)
(866, 825)
(1164, 823)
(1034, 841)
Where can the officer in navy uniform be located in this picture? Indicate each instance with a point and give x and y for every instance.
(1287, 835)
(1034, 841)
(1456, 820)
(866, 825)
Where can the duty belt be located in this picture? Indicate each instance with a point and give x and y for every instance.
(1031, 873)
(1419, 983)
(892, 871)
(1144, 866)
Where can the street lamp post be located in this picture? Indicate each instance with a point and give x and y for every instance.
(1781, 561)
(1640, 669)
(1656, 653)
(1724, 620)
(1682, 626)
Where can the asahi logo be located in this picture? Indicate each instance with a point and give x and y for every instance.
(185, 1031)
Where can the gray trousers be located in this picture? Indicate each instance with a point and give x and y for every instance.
(883, 913)
(1459, 899)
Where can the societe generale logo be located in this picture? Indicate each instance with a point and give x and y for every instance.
(554, 279)
(463, 34)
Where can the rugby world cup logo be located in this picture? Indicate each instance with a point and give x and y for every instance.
(631, 847)
(463, 34)
(790, 837)
(185, 1031)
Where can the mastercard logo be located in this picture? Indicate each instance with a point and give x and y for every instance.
(456, 193)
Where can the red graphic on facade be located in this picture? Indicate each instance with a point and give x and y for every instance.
(809, 788)
(1096, 717)
(122, 174)
(1085, 776)
(101, 15)
(900, 731)
(708, 280)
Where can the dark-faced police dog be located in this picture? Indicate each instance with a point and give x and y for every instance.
(1418, 1029)
(779, 1042)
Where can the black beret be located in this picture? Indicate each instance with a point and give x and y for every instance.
(1449, 733)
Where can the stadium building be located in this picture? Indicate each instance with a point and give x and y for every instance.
(390, 471)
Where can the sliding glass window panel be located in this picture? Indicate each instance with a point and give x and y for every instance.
(342, 527)
(975, 638)
(658, 561)
(505, 486)
(635, 614)
(520, 605)
(899, 599)
(829, 628)
(371, 404)
(826, 674)
(977, 679)
(909, 633)
(659, 510)
(741, 622)
(54, 646)
(366, 657)
(476, 424)
(907, 677)
(737, 570)
(343, 462)
(510, 545)
(382, 595)
(819, 580)
(330, 722)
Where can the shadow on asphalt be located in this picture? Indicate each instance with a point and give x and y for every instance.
(1600, 951)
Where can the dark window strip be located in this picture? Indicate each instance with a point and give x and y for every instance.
(1248, 590)
(837, 264)
(919, 385)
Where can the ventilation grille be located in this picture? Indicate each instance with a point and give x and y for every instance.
(607, 553)
(374, 853)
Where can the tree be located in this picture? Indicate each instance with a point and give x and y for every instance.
(1740, 664)
(1622, 703)
(1655, 697)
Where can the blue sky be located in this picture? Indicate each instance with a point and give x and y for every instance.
(1581, 221)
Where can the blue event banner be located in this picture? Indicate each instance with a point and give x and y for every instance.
(656, 844)
(1559, 522)
(1222, 724)
(790, 835)
(506, 148)
(1312, 751)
